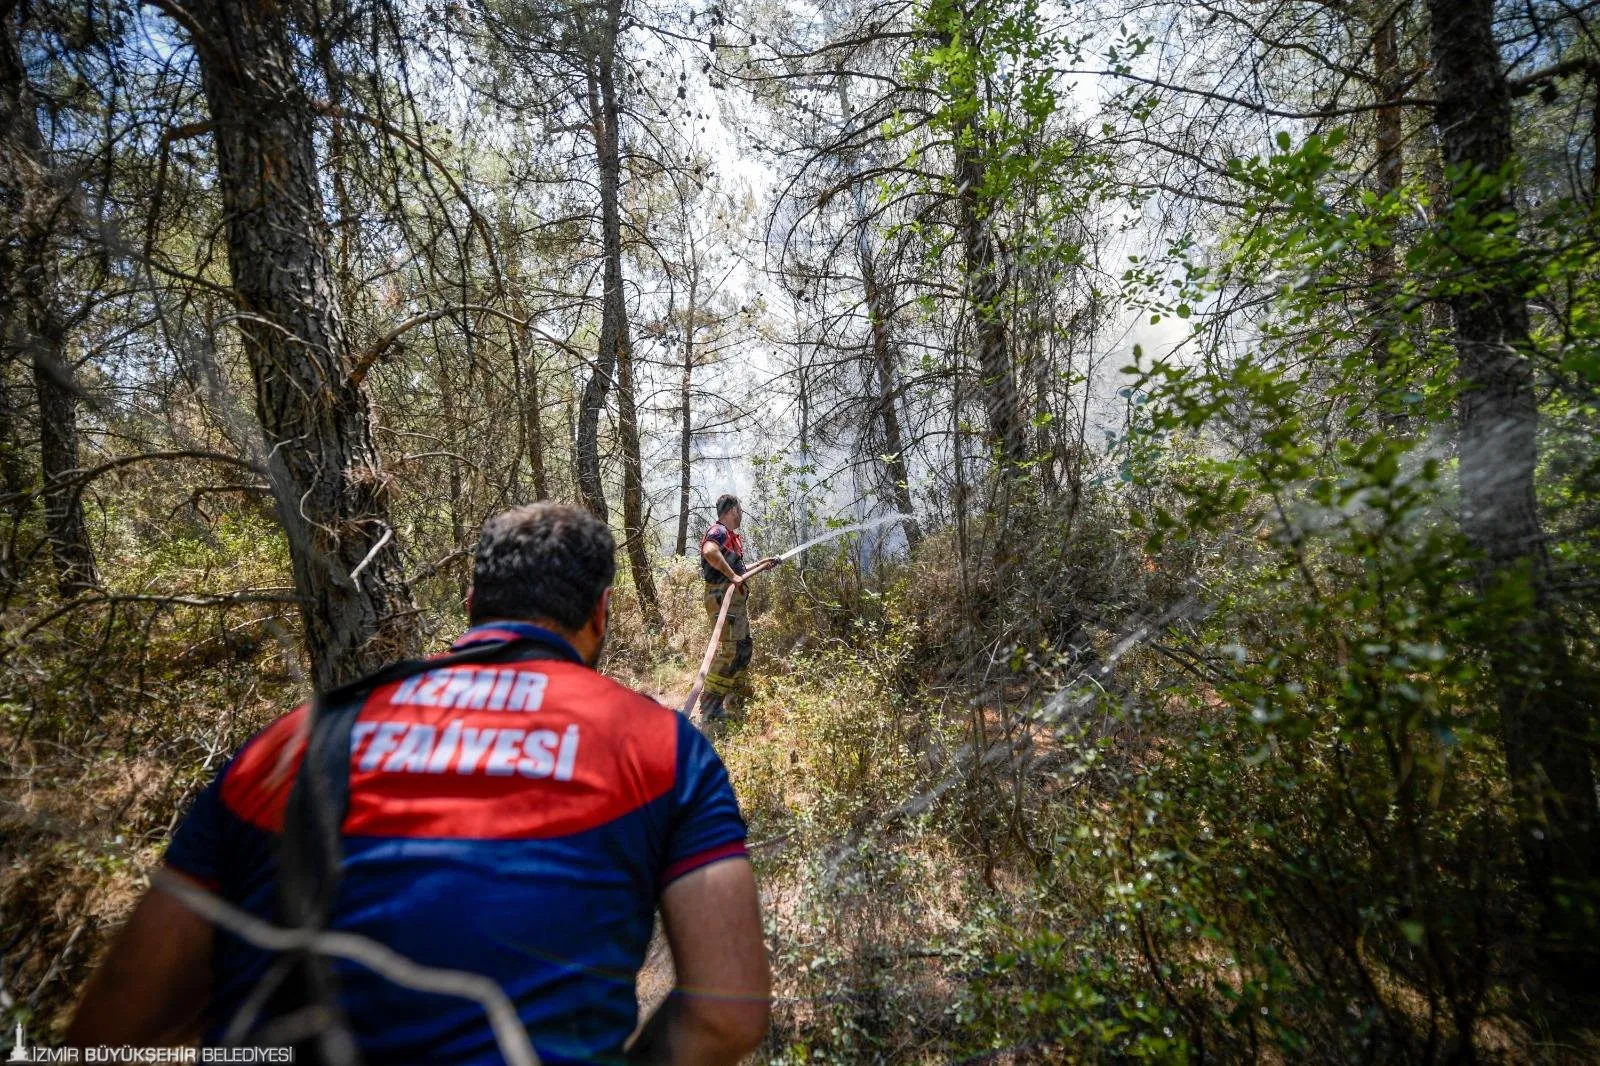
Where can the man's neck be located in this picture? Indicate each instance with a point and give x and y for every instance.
(580, 642)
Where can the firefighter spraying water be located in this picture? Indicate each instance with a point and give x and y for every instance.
(726, 600)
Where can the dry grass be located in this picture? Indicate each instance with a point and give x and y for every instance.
(81, 836)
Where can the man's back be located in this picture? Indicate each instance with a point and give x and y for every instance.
(516, 819)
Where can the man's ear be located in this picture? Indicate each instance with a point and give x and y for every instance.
(602, 614)
(469, 601)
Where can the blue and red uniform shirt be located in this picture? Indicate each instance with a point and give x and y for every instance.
(515, 819)
(732, 546)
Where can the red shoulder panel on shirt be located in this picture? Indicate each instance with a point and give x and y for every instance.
(256, 786)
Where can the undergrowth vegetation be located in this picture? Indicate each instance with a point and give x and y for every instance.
(1092, 813)
(1277, 831)
(1258, 813)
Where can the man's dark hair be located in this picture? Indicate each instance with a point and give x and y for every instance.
(725, 503)
(545, 560)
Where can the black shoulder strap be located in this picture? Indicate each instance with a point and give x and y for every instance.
(310, 847)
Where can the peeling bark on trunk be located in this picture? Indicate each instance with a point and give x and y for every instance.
(1544, 717)
(332, 496)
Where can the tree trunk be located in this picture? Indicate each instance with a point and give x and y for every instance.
(569, 403)
(686, 427)
(803, 400)
(986, 285)
(13, 477)
(1543, 718)
(615, 356)
(604, 122)
(332, 496)
(1388, 174)
(530, 398)
(985, 280)
(452, 429)
(64, 525)
(878, 310)
(1040, 324)
(37, 329)
(1390, 170)
(633, 524)
(533, 427)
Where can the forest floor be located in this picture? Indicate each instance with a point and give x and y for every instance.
(870, 922)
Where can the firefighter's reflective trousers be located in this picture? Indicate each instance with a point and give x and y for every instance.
(735, 647)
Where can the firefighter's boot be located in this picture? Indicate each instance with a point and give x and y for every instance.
(712, 709)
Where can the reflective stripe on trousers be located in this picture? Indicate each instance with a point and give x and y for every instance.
(735, 646)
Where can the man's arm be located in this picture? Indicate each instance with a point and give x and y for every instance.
(152, 987)
(717, 1012)
(711, 552)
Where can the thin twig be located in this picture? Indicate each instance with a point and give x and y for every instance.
(355, 575)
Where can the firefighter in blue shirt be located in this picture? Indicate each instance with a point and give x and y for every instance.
(722, 564)
(504, 810)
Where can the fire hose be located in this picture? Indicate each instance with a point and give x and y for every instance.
(716, 634)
